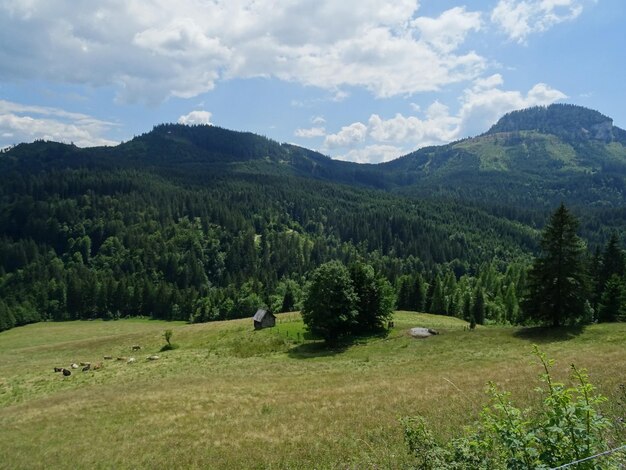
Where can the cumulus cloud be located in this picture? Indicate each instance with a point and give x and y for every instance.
(448, 32)
(310, 133)
(196, 117)
(348, 136)
(480, 106)
(25, 123)
(371, 154)
(519, 19)
(149, 50)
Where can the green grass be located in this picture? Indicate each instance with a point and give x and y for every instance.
(232, 397)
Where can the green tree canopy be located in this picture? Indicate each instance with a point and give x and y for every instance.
(557, 281)
(342, 301)
(375, 298)
(330, 304)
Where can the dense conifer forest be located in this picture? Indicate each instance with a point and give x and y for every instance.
(201, 223)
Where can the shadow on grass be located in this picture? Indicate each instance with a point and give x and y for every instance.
(545, 334)
(320, 348)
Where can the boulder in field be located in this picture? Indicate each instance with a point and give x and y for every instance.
(420, 332)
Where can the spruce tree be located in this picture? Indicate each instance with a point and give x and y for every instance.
(612, 262)
(609, 307)
(288, 300)
(478, 309)
(438, 302)
(558, 283)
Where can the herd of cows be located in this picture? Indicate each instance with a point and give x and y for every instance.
(87, 366)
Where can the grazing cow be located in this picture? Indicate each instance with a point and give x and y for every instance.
(87, 367)
(153, 358)
(74, 366)
(130, 360)
(136, 347)
(108, 357)
(66, 372)
(97, 366)
(58, 369)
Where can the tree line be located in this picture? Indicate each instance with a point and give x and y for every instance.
(85, 234)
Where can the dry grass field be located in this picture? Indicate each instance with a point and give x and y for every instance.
(230, 397)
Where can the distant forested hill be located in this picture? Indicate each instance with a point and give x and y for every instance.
(204, 223)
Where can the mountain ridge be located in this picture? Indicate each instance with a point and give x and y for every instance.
(546, 154)
(211, 223)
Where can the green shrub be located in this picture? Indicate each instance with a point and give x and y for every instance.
(168, 338)
(566, 427)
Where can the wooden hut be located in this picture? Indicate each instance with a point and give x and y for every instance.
(263, 319)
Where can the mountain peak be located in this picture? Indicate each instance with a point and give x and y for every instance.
(564, 120)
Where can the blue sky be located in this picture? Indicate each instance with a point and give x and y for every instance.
(359, 80)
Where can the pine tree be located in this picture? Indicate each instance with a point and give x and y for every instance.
(438, 302)
(612, 262)
(419, 292)
(558, 283)
(289, 300)
(511, 306)
(609, 307)
(478, 309)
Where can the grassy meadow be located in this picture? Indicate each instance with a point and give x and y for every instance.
(230, 397)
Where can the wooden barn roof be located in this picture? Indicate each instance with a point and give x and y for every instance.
(259, 315)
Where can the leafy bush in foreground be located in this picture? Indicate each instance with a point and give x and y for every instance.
(567, 427)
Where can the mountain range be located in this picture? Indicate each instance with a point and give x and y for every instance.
(200, 212)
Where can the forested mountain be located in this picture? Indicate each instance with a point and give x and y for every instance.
(538, 156)
(203, 223)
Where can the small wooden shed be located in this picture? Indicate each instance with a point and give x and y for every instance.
(263, 319)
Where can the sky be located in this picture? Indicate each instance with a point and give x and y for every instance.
(359, 80)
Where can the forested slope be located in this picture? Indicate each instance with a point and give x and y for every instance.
(205, 223)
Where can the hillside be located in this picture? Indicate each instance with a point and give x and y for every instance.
(535, 157)
(231, 397)
(204, 223)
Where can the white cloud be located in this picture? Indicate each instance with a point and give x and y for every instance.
(448, 32)
(153, 49)
(372, 154)
(519, 19)
(25, 123)
(310, 133)
(196, 117)
(480, 106)
(348, 136)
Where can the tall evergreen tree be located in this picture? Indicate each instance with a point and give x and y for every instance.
(438, 302)
(478, 309)
(609, 307)
(558, 282)
(289, 300)
(612, 262)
